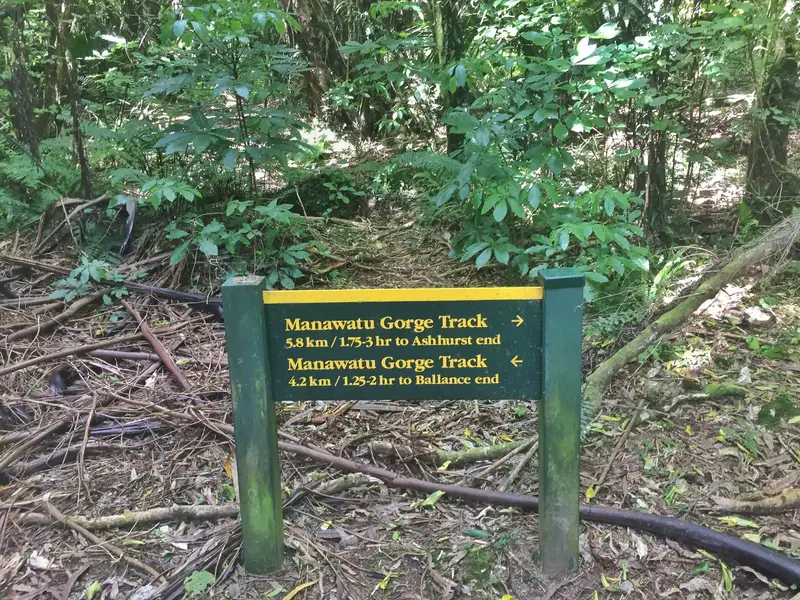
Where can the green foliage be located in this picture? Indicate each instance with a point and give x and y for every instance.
(778, 410)
(198, 582)
(556, 123)
(27, 188)
(82, 277)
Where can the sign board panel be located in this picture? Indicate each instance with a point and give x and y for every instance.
(405, 344)
(420, 344)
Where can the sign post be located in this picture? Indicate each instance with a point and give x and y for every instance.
(560, 420)
(519, 343)
(255, 424)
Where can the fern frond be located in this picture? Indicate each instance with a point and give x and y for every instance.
(21, 169)
(428, 161)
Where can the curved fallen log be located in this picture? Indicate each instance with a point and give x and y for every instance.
(778, 240)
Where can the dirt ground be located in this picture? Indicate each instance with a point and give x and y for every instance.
(123, 436)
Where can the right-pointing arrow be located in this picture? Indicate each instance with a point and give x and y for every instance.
(518, 321)
(516, 361)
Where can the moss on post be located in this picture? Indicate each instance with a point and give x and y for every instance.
(255, 424)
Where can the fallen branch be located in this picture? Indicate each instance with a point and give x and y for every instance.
(748, 553)
(778, 240)
(618, 446)
(56, 459)
(84, 349)
(25, 302)
(337, 220)
(512, 477)
(122, 355)
(782, 502)
(30, 441)
(455, 457)
(56, 514)
(131, 519)
(159, 348)
(36, 437)
(83, 206)
(60, 319)
(485, 472)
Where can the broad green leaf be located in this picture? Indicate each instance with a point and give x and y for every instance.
(198, 582)
(727, 577)
(179, 27)
(535, 196)
(228, 492)
(443, 196)
(461, 75)
(207, 247)
(93, 590)
(641, 262)
(490, 202)
(473, 249)
(481, 136)
(608, 204)
(586, 53)
(287, 282)
(501, 255)
(537, 38)
(563, 239)
(432, 498)
(516, 206)
(560, 131)
(601, 231)
(738, 521)
(242, 91)
(622, 241)
(478, 534)
(596, 277)
(483, 258)
(543, 113)
(179, 253)
(500, 211)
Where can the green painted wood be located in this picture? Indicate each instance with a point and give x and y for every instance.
(255, 424)
(559, 420)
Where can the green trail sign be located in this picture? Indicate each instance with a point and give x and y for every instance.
(406, 344)
(423, 344)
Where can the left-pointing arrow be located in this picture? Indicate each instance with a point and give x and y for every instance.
(516, 361)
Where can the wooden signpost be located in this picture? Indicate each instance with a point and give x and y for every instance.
(406, 344)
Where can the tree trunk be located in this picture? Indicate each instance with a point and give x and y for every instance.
(22, 106)
(52, 91)
(319, 47)
(73, 94)
(771, 188)
(655, 184)
(449, 38)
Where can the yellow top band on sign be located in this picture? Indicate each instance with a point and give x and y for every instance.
(402, 295)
